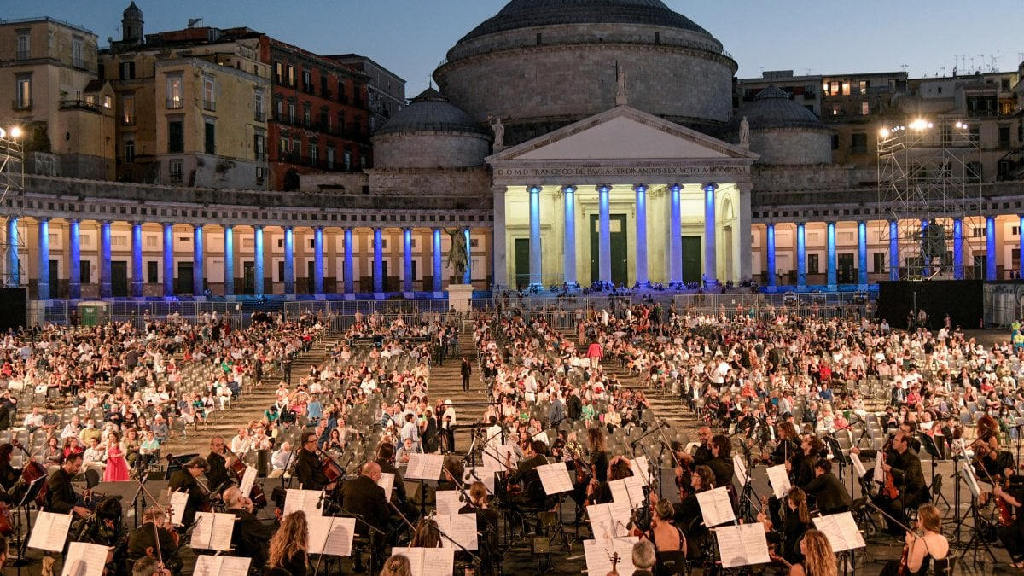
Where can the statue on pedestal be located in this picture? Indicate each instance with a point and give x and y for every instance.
(499, 132)
(457, 252)
(744, 133)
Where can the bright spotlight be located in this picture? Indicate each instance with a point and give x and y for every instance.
(3, 133)
(919, 124)
(884, 132)
(16, 132)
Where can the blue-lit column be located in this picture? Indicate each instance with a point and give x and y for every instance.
(990, 249)
(349, 283)
(289, 260)
(710, 236)
(831, 266)
(675, 237)
(641, 236)
(318, 260)
(378, 262)
(926, 269)
(75, 249)
(44, 259)
(536, 256)
(569, 241)
(801, 256)
(229, 260)
(198, 259)
(1020, 233)
(258, 282)
(605, 238)
(168, 260)
(894, 250)
(467, 274)
(407, 260)
(862, 254)
(436, 253)
(13, 269)
(137, 260)
(106, 288)
(770, 241)
(958, 249)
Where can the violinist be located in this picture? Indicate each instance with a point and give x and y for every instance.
(526, 473)
(931, 546)
(250, 537)
(187, 480)
(1013, 534)
(486, 526)
(60, 493)
(601, 492)
(308, 468)
(688, 515)
(702, 455)
(828, 492)
(796, 523)
(721, 463)
(787, 447)
(217, 463)
(908, 478)
(386, 460)
(992, 463)
(801, 466)
(9, 475)
(143, 541)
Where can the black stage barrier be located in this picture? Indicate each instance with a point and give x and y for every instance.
(13, 307)
(963, 300)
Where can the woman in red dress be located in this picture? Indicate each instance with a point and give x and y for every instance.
(117, 466)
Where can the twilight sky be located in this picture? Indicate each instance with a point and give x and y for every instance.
(410, 37)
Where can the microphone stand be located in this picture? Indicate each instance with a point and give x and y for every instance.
(374, 531)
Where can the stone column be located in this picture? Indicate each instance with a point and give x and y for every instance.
(258, 280)
(1020, 234)
(467, 274)
(378, 263)
(438, 285)
(229, 260)
(349, 284)
(710, 236)
(990, 249)
(536, 256)
(569, 241)
(862, 254)
(831, 266)
(318, 260)
(770, 246)
(106, 287)
(43, 282)
(168, 260)
(75, 273)
(407, 261)
(958, 248)
(13, 267)
(675, 237)
(801, 256)
(642, 278)
(137, 280)
(605, 237)
(197, 266)
(743, 233)
(289, 260)
(498, 241)
(894, 250)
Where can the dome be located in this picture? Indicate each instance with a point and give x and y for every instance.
(529, 13)
(430, 112)
(773, 108)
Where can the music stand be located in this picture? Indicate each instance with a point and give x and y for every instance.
(22, 506)
(928, 443)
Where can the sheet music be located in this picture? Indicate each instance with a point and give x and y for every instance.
(460, 528)
(425, 467)
(858, 466)
(248, 479)
(841, 531)
(543, 437)
(778, 477)
(447, 502)
(85, 559)
(715, 507)
(179, 500)
(50, 531)
(972, 482)
(387, 482)
(742, 545)
(642, 468)
(740, 469)
(555, 478)
(221, 565)
(428, 561)
(879, 471)
(609, 521)
(629, 491)
(482, 474)
(496, 456)
(212, 531)
(599, 555)
(331, 535)
(306, 500)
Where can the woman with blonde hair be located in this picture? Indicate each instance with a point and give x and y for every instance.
(819, 559)
(288, 546)
(396, 566)
(930, 545)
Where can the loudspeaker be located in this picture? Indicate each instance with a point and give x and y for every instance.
(13, 308)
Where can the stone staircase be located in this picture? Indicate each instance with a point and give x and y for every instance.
(446, 383)
(248, 406)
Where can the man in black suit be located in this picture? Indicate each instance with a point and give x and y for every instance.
(60, 494)
(908, 478)
(308, 469)
(526, 473)
(216, 462)
(363, 499)
(250, 537)
(829, 493)
(184, 480)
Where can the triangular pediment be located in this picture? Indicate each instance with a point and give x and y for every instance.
(623, 133)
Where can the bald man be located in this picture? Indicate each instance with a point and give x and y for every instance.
(363, 499)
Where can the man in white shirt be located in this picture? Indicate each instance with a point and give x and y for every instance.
(94, 456)
(34, 420)
(240, 443)
(280, 460)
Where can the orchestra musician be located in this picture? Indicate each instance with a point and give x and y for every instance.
(143, 541)
(1012, 535)
(187, 480)
(721, 463)
(9, 475)
(526, 473)
(801, 466)
(250, 537)
(688, 515)
(990, 462)
(908, 477)
(702, 455)
(796, 523)
(599, 459)
(217, 463)
(601, 492)
(486, 526)
(308, 468)
(787, 446)
(362, 498)
(828, 492)
(930, 547)
(60, 495)
(386, 460)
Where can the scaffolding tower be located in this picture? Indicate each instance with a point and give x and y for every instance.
(929, 176)
(12, 182)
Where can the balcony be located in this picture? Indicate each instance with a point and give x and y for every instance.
(174, 103)
(259, 116)
(210, 105)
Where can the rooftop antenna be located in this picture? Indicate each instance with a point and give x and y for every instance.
(193, 21)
